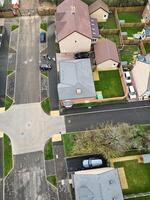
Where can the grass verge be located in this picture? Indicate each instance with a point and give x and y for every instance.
(7, 155)
(147, 47)
(52, 180)
(45, 104)
(13, 27)
(8, 102)
(44, 26)
(48, 150)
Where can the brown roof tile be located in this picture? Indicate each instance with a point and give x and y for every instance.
(96, 5)
(105, 50)
(72, 16)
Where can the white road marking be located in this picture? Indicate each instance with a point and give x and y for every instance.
(111, 110)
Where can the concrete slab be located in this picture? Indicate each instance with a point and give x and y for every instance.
(96, 75)
(29, 127)
(55, 113)
(56, 138)
(122, 177)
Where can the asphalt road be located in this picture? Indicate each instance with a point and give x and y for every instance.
(53, 72)
(3, 66)
(137, 114)
(27, 87)
(75, 163)
(27, 181)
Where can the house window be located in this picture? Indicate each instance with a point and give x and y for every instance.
(105, 16)
(75, 41)
(114, 64)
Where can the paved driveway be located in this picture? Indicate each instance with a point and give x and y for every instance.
(27, 87)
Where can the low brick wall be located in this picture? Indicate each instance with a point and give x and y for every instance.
(6, 14)
(129, 9)
(142, 48)
(109, 31)
(131, 42)
(133, 25)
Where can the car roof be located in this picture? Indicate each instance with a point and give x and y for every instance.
(131, 88)
(127, 73)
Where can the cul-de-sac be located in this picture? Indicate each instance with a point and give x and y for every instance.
(74, 99)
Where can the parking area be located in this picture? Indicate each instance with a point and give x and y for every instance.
(75, 163)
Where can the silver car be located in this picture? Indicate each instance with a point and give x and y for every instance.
(91, 162)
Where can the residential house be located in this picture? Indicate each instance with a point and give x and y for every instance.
(146, 31)
(75, 30)
(76, 82)
(141, 76)
(106, 55)
(146, 13)
(97, 184)
(99, 10)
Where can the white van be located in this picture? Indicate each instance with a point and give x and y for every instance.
(132, 93)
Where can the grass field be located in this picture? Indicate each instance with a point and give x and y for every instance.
(109, 24)
(45, 104)
(127, 53)
(130, 17)
(7, 155)
(137, 174)
(44, 26)
(13, 27)
(131, 31)
(113, 37)
(110, 84)
(48, 150)
(147, 47)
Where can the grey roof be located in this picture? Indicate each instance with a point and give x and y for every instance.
(98, 186)
(76, 75)
(147, 31)
(146, 158)
(94, 28)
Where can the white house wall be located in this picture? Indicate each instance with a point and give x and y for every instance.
(100, 15)
(75, 43)
(107, 65)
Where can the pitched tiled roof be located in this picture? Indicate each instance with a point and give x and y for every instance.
(105, 50)
(72, 16)
(98, 4)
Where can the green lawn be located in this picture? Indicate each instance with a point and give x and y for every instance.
(13, 27)
(113, 37)
(68, 140)
(44, 26)
(127, 53)
(45, 104)
(10, 71)
(147, 47)
(109, 24)
(141, 198)
(7, 155)
(48, 150)
(138, 176)
(8, 102)
(130, 17)
(131, 31)
(52, 180)
(110, 84)
(45, 73)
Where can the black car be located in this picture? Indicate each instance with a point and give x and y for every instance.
(45, 67)
(82, 55)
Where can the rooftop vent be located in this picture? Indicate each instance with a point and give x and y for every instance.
(78, 91)
(111, 182)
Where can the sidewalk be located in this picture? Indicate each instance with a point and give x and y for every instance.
(61, 171)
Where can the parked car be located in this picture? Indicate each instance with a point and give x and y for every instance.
(132, 93)
(127, 77)
(81, 55)
(42, 37)
(45, 67)
(91, 162)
